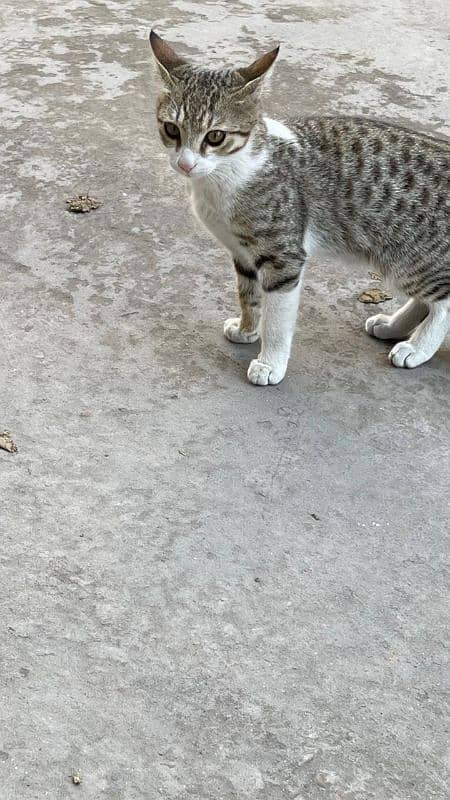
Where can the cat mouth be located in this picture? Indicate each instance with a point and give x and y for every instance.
(191, 173)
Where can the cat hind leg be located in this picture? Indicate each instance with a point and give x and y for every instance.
(425, 340)
(399, 324)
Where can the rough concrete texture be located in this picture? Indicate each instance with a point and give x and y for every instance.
(208, 590)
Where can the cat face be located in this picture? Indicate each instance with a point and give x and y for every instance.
(206, 117)
(202, 122)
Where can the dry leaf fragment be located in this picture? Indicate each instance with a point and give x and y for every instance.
(374, 296)
(83, 203)
(6, 443)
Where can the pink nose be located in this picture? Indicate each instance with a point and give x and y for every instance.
(187, 168)
(187, 162)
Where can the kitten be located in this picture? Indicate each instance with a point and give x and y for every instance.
(273, 194)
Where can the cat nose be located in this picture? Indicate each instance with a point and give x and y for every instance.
(187, 161)
(187, 168)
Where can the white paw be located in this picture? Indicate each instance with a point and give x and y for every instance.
(379, 327)
(406, 355)
(233, 332)
(262, 374)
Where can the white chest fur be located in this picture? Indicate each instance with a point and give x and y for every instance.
(213, 197)
(212, 202)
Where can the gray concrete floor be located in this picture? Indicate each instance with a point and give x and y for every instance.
(208, 590)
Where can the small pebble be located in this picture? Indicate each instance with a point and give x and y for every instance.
(306, 757)
(324, 779)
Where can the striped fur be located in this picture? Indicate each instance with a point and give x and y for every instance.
(271, 193)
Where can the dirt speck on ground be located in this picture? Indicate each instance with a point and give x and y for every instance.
(6, 443)
(82, 204)
(374, 295)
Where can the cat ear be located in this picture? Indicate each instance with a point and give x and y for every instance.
(254, 74)
(166, 58)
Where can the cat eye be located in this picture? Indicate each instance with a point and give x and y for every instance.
(172, 131)
(215, 138)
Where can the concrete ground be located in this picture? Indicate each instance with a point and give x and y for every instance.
(208, 590)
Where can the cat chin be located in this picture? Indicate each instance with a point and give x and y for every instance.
(197, 175)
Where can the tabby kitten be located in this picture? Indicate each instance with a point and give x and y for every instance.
(273, 194)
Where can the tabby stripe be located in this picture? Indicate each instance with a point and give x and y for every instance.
(418, 284)
(419, 273)
(442, 289)
(283, 282)
(246, 273)
(261, 260)
(235, 150)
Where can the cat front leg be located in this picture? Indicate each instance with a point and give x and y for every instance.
(245, 329)
(281, 283)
